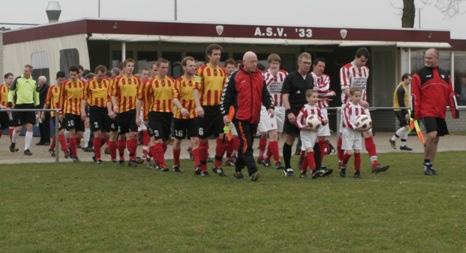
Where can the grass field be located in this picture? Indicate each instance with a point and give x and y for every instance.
(89, 208)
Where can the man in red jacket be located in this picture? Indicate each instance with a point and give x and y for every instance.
(246, 92)
(431, 93)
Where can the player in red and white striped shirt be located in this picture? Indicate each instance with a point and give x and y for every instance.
(308, 137)
(355, 74)
(274, 78)
(322, 86)
(351, 134)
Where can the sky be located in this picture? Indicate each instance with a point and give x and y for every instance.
(308, 13)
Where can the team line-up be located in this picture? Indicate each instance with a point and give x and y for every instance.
(233, 103)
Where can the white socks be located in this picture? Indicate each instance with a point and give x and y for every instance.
(28, 140)
(13, 138)
(86, 136)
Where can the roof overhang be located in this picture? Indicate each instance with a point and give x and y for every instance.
(135, 31)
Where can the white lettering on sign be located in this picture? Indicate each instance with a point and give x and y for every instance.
(304, 32)
(270, 32)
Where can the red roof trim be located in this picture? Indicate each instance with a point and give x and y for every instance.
(213, 30)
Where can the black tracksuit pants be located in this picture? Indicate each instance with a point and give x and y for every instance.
(246, 132)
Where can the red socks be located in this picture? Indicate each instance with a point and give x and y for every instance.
(370, 146)
(145, 138)
(62, 140)
(10, 133)
(97, 144)
(132, 146)
(73, 146)
(203, 146)
(262, 145)
(340, 152)
(310, 160)
(219, 152)
(273, 148)
(52, 143)
(197, 161)
(357, 161)
(176, 157)
(121, 149)
(112, 147)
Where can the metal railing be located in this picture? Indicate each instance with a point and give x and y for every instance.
(57, 142)
(382, 108)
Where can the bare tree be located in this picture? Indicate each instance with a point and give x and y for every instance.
(409, 12)
(449, 8)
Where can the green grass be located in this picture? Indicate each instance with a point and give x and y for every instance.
(89, 208)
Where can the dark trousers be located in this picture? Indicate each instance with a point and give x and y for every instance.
(246, 132)
(44, 129)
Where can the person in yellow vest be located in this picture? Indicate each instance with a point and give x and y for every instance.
(400, 100)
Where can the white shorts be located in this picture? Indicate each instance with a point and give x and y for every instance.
(276, 123)
(308, 139)
(352, 139)
(142, 127)
(324, 130)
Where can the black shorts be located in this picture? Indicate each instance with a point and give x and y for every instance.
(186, 128)
(113, 125)
(99, 118)
(87, 111)
(289, 127)
(401, 119)
(160, 124)
(4, 120)
(21, 118)
(74, 122)
(127, 122)
(211, 123)
(435, 124)
(60, 124)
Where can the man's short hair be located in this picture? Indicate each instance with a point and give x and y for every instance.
(28, 66)
(317, 60)
(354, 90)
(128, 61)
(161, 60)
(80, 67)
(8, 75)
(186, 59)
(405, 75)
(274, 57)
(304, 55)
(362, 51)
(60, 74)
(230, 61)
(100, 68)
(74, 69)
(210, 48)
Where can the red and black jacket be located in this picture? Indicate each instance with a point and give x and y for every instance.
(246, 92)
(431, 92)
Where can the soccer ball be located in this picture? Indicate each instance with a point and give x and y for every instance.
(363, 122)
(313, 122)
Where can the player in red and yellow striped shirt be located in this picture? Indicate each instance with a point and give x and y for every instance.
(187, 104)
(52, 101)
(159, 92)
(112, 144)
(124, 94)
(70, 101)
(4, 118)
(212, 78)
(96, 96)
